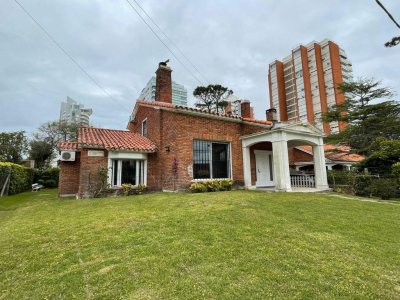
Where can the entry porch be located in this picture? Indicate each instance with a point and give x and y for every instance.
(266, 159)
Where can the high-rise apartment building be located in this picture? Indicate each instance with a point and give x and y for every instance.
(179, 92)
(73, 112)
(303, 85)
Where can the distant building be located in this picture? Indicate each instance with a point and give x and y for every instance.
(179, 92)
(73, 112)
(236, 106)
(303, 85)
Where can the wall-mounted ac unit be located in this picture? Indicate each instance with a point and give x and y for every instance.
(67, 156)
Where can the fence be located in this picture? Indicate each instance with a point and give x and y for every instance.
(4, 184)
(303, 180)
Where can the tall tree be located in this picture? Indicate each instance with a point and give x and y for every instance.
(55, 131)
(368, 113)
(41, 152)
(13, 146)
(212, 97)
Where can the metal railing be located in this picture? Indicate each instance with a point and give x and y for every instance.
(303, 180)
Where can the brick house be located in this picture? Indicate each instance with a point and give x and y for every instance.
(167, 147)
(338, 158)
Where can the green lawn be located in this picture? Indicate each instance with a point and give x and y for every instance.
(226, 245)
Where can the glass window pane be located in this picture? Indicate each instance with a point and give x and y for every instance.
(115, 172)
(220, 161)
(201, 159)
(128, 172)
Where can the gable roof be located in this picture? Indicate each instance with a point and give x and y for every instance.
(201, 112)
(111, 139)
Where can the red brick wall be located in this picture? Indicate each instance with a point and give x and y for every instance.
(88, 174)
(296, 155)
(69, 176)
(177, 131)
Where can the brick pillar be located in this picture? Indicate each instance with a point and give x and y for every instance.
(245, 109)
(163, 83)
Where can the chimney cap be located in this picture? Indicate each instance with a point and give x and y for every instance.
(163, 63)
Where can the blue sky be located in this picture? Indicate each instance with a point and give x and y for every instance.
(230, 42)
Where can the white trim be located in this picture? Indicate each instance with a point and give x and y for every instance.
(145, 120)
(126, 155)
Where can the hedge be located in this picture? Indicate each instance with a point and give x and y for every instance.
(21, 178)
(48, 177)
(211, 186)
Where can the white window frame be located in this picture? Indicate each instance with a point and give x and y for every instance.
(120, 156)
(144, 121)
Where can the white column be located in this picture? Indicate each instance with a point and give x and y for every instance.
(145, 172)
(329, 167)
(281, 164)
(137, 172)
(246, 167)
(321, 181)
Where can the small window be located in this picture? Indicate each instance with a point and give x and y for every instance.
(144, 127)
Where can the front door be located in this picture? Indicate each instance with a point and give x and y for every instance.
(264, 168)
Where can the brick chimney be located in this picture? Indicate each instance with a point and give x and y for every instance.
(245, 109)
(228, 109)
(163, 83)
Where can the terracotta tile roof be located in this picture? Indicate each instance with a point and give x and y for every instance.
(198, 110)
(114, 139)
(337, 153)
(343, 156)
(67, 145)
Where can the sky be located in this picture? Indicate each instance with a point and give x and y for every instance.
(230, 42)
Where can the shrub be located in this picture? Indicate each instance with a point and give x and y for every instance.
(129, 189)
(362, 185)
(226, 185)
(341, 178)
(198, 187)
(21, 178)
(211, 186)
(396, 170)
(384, 188)
(48, 178)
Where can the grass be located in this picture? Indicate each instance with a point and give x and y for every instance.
(226, 245)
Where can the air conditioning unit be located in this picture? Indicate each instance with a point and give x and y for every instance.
(67, 156)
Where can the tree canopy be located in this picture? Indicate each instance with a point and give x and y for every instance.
(13, 146)
(212, 97)
(368, 112)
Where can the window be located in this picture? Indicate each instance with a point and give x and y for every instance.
(127, 171)
(144, 127)
(210, 160)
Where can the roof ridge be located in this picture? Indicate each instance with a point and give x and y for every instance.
(188, 108)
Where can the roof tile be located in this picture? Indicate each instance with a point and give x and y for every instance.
(114, 139)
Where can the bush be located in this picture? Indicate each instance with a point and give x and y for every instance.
(49, 177)
(341, 178)
(362, 185)
(396, 170)
(384, 188)
(21, 178)
(198, 187)
(211, 186)
(129, 189)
